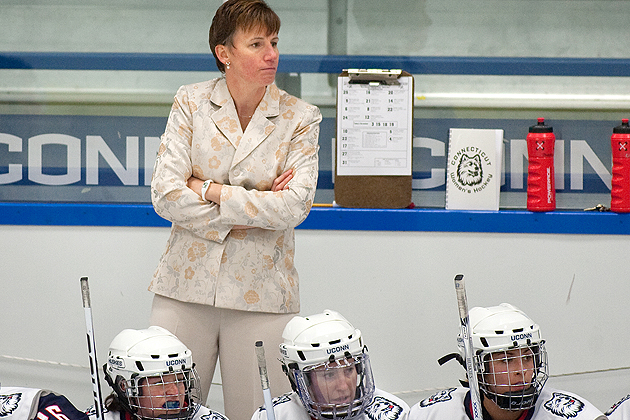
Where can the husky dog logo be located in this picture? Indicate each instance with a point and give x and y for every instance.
(616, 405)
(441, 396)
(9, 403)
(383, 409)
(469, 170)
(563, 405)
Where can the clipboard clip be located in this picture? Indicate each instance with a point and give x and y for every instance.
(374, 77)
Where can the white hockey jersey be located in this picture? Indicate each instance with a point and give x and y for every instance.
(620, 410)
(28, 404)
(552, 404)
(200, 413)
(384, 406)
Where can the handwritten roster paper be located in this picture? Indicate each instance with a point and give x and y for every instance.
(374, 127)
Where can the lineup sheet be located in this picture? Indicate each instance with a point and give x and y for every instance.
(374, 128)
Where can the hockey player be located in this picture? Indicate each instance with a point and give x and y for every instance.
(29, 404)
(511, 359)
(620, 410)
(153, 377)
(328, 367)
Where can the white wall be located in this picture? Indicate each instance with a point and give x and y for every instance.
(397, 287)
(543, 28)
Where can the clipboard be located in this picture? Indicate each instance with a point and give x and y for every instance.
(374, 143)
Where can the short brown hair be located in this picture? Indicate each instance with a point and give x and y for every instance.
(240, 14)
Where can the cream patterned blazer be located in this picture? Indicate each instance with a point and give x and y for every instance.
(205, 261)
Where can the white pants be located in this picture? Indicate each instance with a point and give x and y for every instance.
(228, 335)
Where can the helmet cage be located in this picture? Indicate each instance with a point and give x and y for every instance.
(170, 389)
(513, 360)
(320, 410)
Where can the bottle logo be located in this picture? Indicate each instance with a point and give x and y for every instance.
(550, 191)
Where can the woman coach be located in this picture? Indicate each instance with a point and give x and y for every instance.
(236, 172)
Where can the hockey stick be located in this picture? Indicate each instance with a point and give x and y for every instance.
(91, 344)
(466, 337)
(264, 379)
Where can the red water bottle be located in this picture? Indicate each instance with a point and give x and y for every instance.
(541, 189)
(620, 192)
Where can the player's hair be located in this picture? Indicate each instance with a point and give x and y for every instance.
(112, 403)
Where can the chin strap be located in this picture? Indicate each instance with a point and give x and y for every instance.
(452, 356)
(287, 371)
(461, 361)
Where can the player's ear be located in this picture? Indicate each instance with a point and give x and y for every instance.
(122, 384)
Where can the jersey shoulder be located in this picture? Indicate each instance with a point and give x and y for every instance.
(564, 404)
(386, 406)
(204, 413)
(446, 403)
(18, 403)
(56, 406)
(23, 403)
(620, 409)
(107, 415)
(285, 407)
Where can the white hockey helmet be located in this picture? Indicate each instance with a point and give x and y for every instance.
(317, 351)
(505, 332)
(153, 358)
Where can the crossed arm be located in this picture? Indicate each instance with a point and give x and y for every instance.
(213, 193)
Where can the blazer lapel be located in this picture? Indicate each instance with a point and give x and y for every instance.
(260, 127)
(225, 118)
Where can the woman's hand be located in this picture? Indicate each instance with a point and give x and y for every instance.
(195, 184)
(212, 194)
(281, 183)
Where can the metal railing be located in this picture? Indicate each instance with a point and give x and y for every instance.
(293, 63)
